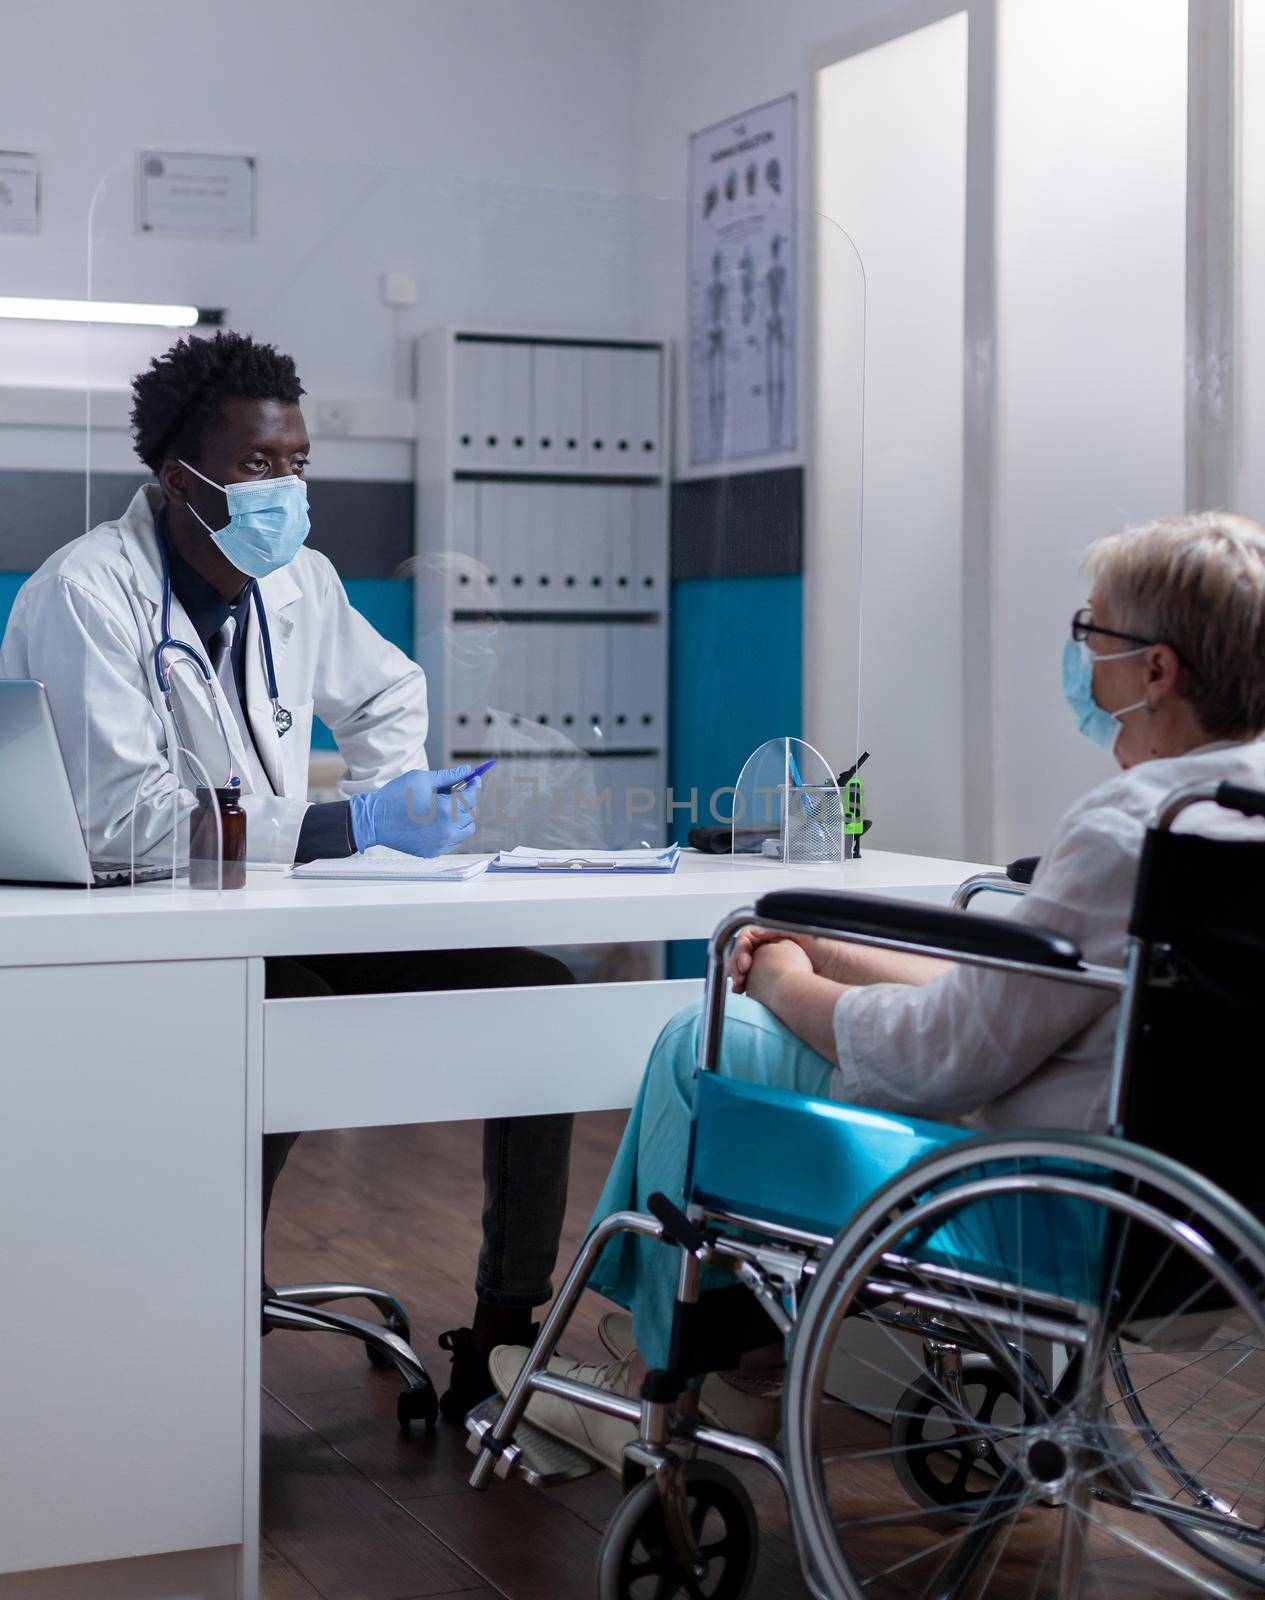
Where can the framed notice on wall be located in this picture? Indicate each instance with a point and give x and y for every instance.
(742, 286)
(19, 192)
(211, 197)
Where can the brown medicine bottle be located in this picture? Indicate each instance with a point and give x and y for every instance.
(205, 838)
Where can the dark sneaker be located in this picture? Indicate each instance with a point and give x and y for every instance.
(470, 1381)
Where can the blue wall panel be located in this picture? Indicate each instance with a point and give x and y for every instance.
(736, 680)
(388, 604)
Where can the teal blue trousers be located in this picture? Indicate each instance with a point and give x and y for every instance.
(640, 1274)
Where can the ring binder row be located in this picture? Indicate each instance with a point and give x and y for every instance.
(599, 685)
(558, 546)
(578, 407)
(542, 530)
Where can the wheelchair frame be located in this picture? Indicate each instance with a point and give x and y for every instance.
(954, 1312)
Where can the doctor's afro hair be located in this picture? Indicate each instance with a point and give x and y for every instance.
(178, 399)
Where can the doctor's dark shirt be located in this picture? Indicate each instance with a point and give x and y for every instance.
(326, 829)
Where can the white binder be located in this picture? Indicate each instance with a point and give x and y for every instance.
(465, 580)
(648, 652)
(590, 512)
(647, 422)
(624, 368)
(544, 542)
(464, 679)
(622, 696)
(510, 694)
(621, 582)
(515, 370)
(636, 801)
(568, 670)
(594, 674)
(649, 547)
(516, 580)
(558, 407)
(491, 545)
(599, 414)
(467, 395)
(569, 583)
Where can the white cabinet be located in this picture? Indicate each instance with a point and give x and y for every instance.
(542, 474)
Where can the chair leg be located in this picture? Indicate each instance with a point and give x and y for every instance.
(322, 1294)
(384, 1346)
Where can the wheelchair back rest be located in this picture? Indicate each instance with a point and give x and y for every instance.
(810, 1164)
(1200, 904)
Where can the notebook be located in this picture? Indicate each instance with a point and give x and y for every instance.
(383, 865)
(526, 859)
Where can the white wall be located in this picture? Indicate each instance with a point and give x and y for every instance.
(1251, 276)
(1091, 271)
(470, 97)
(1091, 174)
(891, 129)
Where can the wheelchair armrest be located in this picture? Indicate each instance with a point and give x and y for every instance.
(935, 930)
(1023, 869)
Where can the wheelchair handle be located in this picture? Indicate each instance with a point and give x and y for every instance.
(1230, 796)
(1237, 797)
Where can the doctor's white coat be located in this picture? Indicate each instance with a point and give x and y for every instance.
(86, 625)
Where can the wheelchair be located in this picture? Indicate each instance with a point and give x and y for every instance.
(1017, 1363)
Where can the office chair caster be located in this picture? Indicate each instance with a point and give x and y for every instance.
(419, 1403)
(637, 1546)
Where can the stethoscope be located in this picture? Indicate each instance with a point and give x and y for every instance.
(282, 720)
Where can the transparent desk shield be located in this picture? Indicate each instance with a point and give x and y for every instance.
(567, 453)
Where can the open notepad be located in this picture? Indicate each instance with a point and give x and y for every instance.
(526, 859)
(383, 865)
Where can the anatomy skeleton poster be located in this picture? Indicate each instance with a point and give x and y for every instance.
(742, 286)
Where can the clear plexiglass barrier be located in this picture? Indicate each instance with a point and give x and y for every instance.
(563, 452)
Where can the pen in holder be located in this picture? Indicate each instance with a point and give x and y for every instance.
(788, 807)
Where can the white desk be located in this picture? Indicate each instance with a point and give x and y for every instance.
(140, 1065)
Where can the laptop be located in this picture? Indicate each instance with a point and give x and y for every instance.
(41, 841)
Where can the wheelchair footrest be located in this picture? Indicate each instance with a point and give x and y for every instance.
(543, 1460)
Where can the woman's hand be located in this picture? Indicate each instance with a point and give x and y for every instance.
(748, 942)
(772, 962)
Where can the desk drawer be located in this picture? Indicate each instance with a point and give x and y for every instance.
(360, 1061)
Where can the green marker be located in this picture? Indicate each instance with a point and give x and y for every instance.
(853, 807)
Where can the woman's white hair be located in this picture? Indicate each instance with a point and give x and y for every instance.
(1197, 583)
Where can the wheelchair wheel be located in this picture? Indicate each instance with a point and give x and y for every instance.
(1136, 1466)
(637, 1560)
(947, 1453)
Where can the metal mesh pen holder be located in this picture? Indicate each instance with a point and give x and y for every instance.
(812, 826)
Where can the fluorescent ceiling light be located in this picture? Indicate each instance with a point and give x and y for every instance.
(106, 311)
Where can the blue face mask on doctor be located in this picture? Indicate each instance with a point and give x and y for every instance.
(267, 522)
(1103, 727)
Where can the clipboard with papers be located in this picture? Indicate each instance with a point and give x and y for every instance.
(526, 859)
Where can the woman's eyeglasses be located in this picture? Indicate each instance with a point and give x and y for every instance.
(1083, 625)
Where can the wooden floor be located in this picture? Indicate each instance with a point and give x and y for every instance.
(352, 1508)
(355, 1510)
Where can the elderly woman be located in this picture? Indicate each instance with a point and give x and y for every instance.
(1165, 668)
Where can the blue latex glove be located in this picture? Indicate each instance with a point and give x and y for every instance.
(407, 814)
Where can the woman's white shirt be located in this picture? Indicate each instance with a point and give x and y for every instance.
(1005, 1050)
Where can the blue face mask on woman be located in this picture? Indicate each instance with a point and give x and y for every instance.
(1103, 727)
(267, 522)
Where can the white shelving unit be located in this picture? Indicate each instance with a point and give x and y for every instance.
(542, 582)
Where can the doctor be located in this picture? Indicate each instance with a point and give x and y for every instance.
(201, 622)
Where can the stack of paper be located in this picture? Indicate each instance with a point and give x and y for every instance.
(527, 859)
(383, 865)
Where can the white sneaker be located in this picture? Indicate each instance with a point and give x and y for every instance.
(739, 1402)
(597, 1435)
